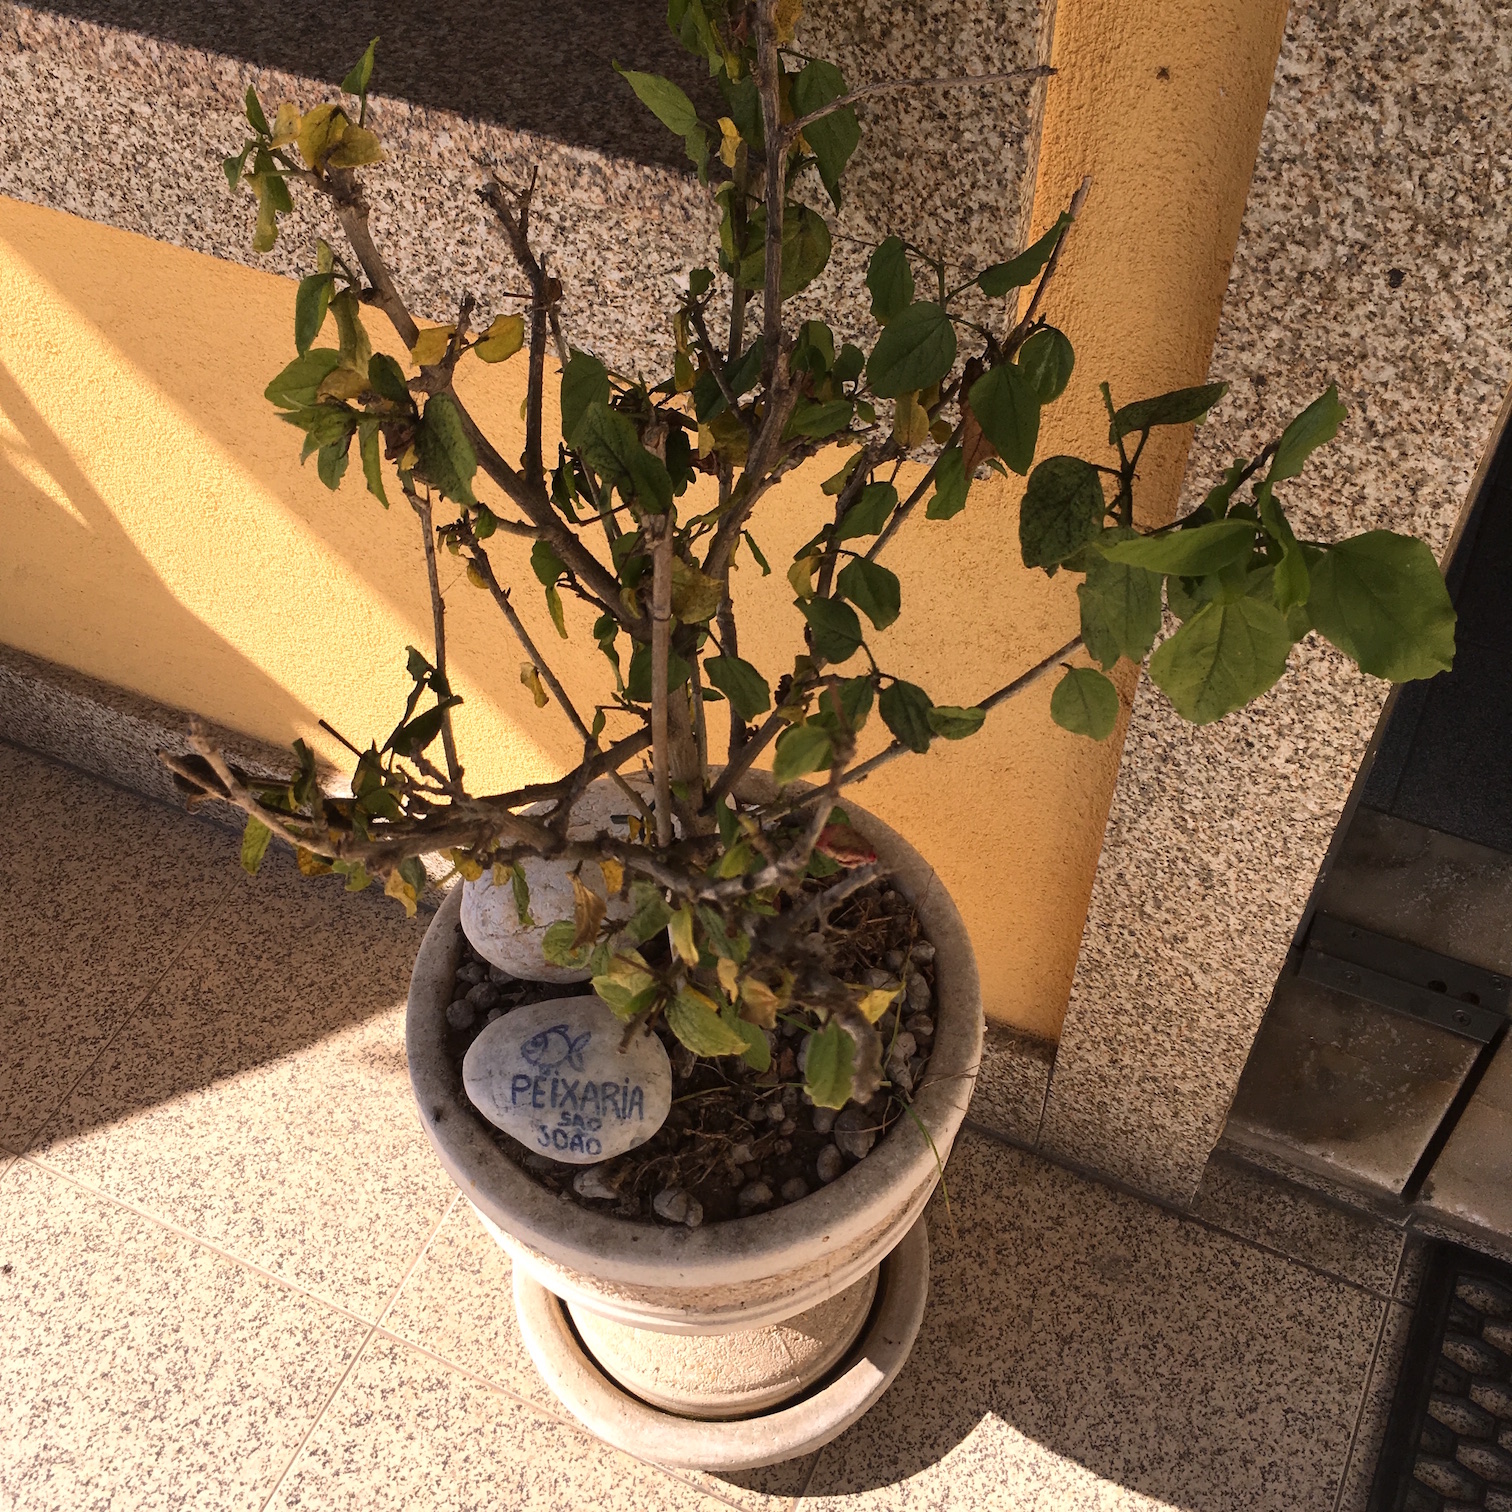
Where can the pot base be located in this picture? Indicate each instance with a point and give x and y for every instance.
(793, 1428)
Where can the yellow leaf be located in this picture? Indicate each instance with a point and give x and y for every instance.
(729, 143)
(342, 383)
(397, 887)
(530, 678)
(588, 910)
(502, 339)
(614, 875)
(801, 576)
(696, 597)
(471, 870)
(683, 944)
(317, 129)
(477, 579)
(354, 147)
(785, 20)
(729, 975)
(683, 376)
(910, 422)
(761, 1003)
(729, 437)
(310, 864)
(285, 125)
(876, 1002)
(431, 345)
(941, 431)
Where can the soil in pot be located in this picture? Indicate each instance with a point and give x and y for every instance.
(736, 1142)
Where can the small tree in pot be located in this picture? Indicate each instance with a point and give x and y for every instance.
(642, 504)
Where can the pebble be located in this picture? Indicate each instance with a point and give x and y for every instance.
(823, 1120)
(740, 1154)
(916, 1065)
(471, 972)
(492, 1014)
(831, 1163)
(683, 1061)
(593, 1183)
(782, 1147)
(873, 977)
(499, 976)
(752, 1196)
(539, 1163)
(919, 996)
(923, 953)
(751, 1170)
(920, 1025)
(903, 1047)
(855, 1132)
(788, 1126)
(775, 1112)
(484, 995)
(461, 1014)
(794, 1190)
(900, 1076)
(893, 960)
(678, 1206)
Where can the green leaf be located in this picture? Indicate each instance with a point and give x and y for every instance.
(917, 348)
(869, 513)
(233, 165)
(372, 468)
(446, 455)
(311, 302)
(650, 911)
(836, 630)
(298, 385)
(546, 564)
(331, 462)
(757, 1053)
(1179, 407)
(638, 680)
(747, 690)
(1292, 582)
(890, 280)
(1317, 424)
(1085, 702)
(800, 750)
(1380, 598)
(1120, 607)
(627, 985)
(819, 420)
(356, 81)
(805, 249)
(585, 381)
(954, 722)
(1062, 511)
(833, 138)
(663, 99)
(1226, 655)
(557, 946)
(872, 589)
(255, 838)
(1008, 410)
(386, 378)
(609, 444)
(255, 117)
(844, 710)
(1188, 553)
(695, 1020)
(951, 485)
(1022, 270)
(828, 1065)
(761, 561)
(905, 708)
(519, 885)
(1046, 361)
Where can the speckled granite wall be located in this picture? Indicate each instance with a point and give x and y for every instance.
(120, 112)
(1375, 252)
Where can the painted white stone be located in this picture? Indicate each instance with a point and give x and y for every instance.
(553, 1076)
(491, 921)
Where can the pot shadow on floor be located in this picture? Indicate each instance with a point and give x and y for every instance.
(1078, 1339)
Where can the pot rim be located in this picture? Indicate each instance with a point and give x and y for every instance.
(838, 1217)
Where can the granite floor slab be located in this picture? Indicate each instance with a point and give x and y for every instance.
(236, 1277)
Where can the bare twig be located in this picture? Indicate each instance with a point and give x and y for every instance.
(661, 640)
(1020, 332)
(955, 81)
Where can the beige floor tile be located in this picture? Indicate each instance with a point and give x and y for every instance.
(260, 1097)
(87, 925)
(1082, 1348)
(1299, 1223)
(458, 1302)
(139, 1369)
(1375, 1409)
(410, 1434)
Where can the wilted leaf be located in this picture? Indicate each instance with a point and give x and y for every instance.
(588, 910)
(875, 1003)
(761, 1003)
(614, 875)
(910, 422)
(680, 929)
(627, 985)
(531, 679)
(696, 596)
(695, 1020)
(845, 843)
(828, 1066)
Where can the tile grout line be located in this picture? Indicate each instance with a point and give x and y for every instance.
(357, 1355)
(1375, 1359)
(191, 935)
(1174, 1210)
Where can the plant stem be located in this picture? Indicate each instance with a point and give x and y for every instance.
(438, 620)
(661, 639)
(955, 81)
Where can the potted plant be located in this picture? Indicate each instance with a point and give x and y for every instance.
(717, 1147)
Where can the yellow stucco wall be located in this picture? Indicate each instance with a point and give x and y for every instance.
(159, 533)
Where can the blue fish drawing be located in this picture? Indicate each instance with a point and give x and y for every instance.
(556, 1047)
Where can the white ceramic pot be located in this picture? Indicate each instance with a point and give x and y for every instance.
(747, 1273)
(491, 917)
